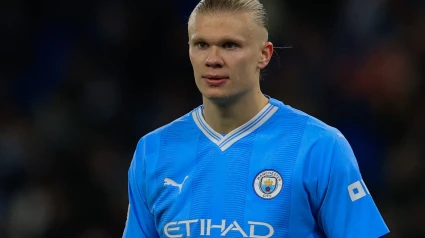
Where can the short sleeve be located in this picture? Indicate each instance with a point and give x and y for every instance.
(346, 207)
(140, 221)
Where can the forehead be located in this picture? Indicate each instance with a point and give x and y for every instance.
(220, 25)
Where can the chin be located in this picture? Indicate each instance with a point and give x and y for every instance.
(219, 98)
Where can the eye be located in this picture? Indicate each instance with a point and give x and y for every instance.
(230, 45)
(202, 45)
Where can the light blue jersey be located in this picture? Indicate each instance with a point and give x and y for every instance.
(282, 174)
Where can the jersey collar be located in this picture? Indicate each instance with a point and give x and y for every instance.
(224, 142)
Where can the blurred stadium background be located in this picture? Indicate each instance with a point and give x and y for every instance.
(82, 81)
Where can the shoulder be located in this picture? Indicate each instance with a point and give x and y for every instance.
(327, 146)
(150, 141)
(314, 128)
(324, 148)
(318, 136)
(318, 131)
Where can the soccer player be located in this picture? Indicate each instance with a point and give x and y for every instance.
(244, 164)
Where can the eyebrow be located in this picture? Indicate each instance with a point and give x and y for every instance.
(220, 40)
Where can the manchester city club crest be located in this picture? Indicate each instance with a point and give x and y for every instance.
(268, 184)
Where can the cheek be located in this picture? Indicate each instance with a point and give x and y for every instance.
(247, 69)
(197, 60)
(250, 61)
(194, 62)
(247, 65)
(192, 56)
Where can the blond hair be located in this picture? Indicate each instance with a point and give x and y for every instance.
(232, 6)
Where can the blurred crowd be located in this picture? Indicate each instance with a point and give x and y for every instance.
(82, 81)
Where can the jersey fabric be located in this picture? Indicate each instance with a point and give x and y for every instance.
(282, 174)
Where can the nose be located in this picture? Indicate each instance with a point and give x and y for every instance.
(214, 60)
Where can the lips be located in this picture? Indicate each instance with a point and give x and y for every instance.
(215, 80)
(215, 77)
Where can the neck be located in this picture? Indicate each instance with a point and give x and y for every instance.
(226, 117)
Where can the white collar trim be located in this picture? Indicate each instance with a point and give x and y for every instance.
(224, 142)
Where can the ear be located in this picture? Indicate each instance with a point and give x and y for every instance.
(266, 55)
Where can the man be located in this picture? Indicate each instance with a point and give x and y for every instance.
(244, 164)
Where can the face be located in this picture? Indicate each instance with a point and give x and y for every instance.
(227, 52)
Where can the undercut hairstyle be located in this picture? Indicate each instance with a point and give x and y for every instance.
(259, 14)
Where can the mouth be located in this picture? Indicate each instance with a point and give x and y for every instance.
(215, 80)
(214, 77)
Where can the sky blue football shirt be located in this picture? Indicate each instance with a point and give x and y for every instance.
(281, 174)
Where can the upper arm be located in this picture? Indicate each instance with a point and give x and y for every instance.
(140, 221)
(346, 208)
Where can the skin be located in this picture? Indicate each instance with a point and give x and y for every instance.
(233, 46)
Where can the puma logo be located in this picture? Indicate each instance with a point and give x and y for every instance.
(171, 182)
